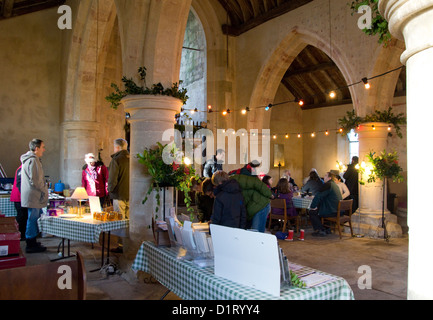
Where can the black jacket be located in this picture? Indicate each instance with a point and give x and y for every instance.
(229, 208)
(351, 179)
(211, 166)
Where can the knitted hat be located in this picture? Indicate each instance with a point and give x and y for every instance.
(89, 158)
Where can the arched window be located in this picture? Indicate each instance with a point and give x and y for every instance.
(193, 69)
(353, 144)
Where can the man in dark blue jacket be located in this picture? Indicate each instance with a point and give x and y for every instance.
(324, 204)
(229, 208)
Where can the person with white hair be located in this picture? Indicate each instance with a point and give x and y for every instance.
(94, 178)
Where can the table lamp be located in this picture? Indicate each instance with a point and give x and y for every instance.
(80, 194)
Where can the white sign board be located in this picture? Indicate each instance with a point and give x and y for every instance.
(247, 257)
(95, 204)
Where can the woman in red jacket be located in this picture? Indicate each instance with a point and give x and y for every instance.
(95, 178)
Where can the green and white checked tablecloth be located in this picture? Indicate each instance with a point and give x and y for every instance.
(302, 203)
(7, 207)
(83, 230)
(190, 282)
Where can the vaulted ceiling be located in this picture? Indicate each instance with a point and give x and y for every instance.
(243, 15)
(310, 77)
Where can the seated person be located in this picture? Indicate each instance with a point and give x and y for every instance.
(205, 200)
(324, 204)
(314, 183)
(343, 188)
(229, 207)
(288, 176)
(285, 191)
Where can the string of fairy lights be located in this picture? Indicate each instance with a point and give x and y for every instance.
(300, 101)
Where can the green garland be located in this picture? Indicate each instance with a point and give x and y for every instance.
(352, 121)
(131, 88)
(378, 23)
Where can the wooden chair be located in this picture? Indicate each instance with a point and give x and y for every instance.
(45, 282)
(339, 220)
(281, 204)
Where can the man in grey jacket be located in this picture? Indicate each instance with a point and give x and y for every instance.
(34, 192)
(118, 177)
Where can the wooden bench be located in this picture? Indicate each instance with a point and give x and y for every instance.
(64, 280)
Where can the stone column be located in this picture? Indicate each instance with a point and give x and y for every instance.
(150, 116)
(412, 21)
(373, 137)
(79, 138)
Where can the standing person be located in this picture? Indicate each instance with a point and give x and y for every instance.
(22, 212)
(257, 197)
(94, 178)
(205, 200)
(118, 177)
(324, 204)
(34, 192)
(214, 164)
(229, 207)
(351, 181)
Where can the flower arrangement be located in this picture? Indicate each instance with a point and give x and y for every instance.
(167, 167)
(352, 121)
(381, 166)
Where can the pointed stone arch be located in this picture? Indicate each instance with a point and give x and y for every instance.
(381, 94)
(85, 65)
(277, 64)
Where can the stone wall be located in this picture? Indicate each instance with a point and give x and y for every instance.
(30, 86)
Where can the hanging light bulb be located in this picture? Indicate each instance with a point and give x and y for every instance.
(341, 130)
(275, 136)
(313, 135)
(366, 84)
(299, 135)
(287, 136)
(209, 108)
(332, 94)
(193, 111)
(224, 112)
(268, 106)
(301, 102)
(244, 111)
(326, 132)
(374, 128)
(389, 128)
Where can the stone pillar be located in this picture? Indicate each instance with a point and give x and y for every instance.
(150, 116)
(412, 21)
(373, 137)
(79, 138)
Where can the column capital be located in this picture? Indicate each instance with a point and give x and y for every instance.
(81, 125)
(151, 107)
(411, 21)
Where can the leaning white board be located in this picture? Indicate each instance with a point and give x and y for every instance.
(247, 257)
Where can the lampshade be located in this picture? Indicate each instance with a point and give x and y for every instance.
(80, 194)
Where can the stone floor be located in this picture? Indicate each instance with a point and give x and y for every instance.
(387, 260)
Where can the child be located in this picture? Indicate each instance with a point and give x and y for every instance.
(205, 200)
(285, 191)
(229, 208)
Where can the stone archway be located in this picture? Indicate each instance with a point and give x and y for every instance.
(279, 61)
(381, 94)
(86, 62)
